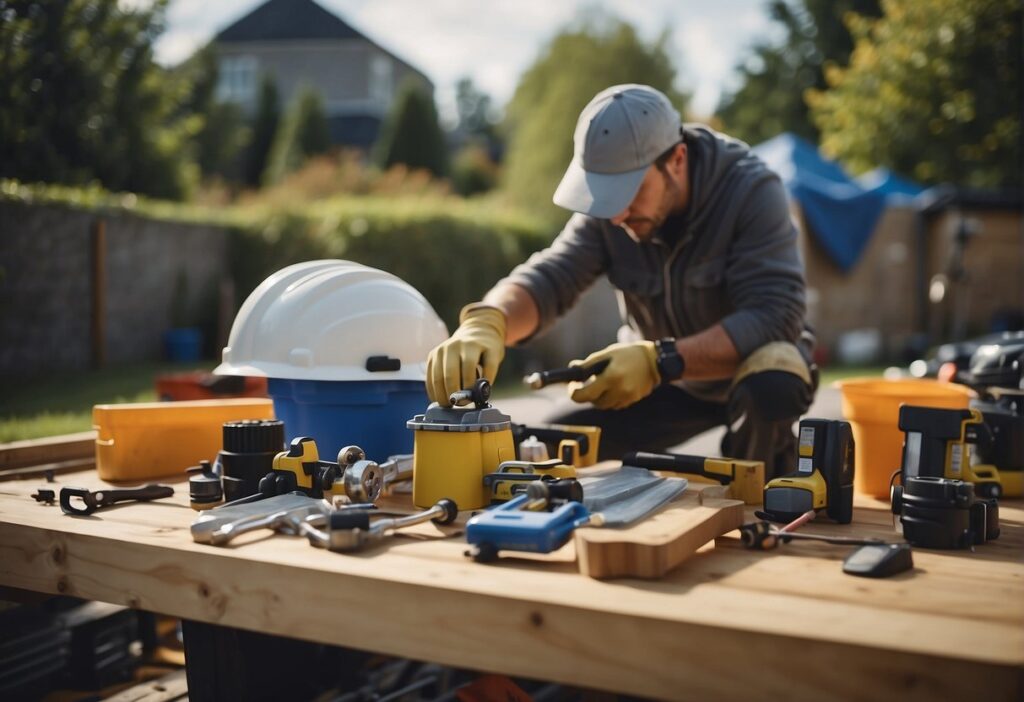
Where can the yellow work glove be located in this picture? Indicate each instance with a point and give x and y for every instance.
(479, 341)
(631, 375)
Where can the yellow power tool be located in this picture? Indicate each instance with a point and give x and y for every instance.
(940, 443)
(512, 477)
(573, 444)
(823, 480)
(745, 479)
(352, 476)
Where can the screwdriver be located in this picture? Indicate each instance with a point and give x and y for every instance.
(542, 379)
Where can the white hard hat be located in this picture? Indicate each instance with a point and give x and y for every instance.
(323, 320)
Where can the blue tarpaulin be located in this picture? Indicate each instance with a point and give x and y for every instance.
(841, 212)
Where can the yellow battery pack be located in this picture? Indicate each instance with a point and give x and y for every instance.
(143, 440)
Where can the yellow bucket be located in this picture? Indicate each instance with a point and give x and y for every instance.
(872, 406)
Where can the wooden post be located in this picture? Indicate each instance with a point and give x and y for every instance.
(98, 244)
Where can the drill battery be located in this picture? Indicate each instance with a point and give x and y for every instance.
(823, 480)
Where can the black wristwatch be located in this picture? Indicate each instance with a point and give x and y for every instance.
(670, 363)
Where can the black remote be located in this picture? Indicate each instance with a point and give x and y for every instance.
(879, 560)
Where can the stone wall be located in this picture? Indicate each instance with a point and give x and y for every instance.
(48, 291)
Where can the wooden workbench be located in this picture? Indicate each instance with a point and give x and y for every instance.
(728, 624)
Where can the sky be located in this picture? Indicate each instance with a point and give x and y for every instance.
(494, 42)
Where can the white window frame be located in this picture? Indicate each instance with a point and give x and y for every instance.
(237, 78)
(382, 78)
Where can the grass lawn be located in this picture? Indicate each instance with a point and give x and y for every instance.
(62, 403)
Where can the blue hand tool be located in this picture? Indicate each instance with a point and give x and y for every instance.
(514, 527)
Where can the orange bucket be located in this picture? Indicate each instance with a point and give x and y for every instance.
(872, 406)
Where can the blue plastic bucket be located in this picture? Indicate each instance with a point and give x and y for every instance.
(370, 414)
(184, 344)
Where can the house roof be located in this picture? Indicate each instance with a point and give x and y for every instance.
(288, 19)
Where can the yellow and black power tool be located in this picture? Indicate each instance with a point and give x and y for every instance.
(572, 444)
(300, 468)
(745, 479)
(512, 477)
(823, 480)
(942, 443)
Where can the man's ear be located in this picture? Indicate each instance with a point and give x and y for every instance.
(678, 160)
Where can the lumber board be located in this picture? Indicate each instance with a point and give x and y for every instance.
(653, 547)
(70, 465)
(51, 449)
(950, 629)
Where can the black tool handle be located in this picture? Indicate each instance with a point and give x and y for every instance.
(674, 462)
(568, 374)
(153, 491)
(93, 501)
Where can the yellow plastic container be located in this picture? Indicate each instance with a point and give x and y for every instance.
(453, 464)
(454, 449)
(872, 406)
(138, 441)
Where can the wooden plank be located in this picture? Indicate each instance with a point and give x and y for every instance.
(41, 469)
(675, 638)
(661, 542)
(656, 655)
(51, 449)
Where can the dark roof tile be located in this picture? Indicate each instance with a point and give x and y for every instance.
(288, 19)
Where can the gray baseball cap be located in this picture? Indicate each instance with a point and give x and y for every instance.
(620, 133)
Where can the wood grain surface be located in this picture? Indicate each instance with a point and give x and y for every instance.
(727, 624)
(656, 545)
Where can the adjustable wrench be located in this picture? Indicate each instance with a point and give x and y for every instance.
(350, 530)
(227, 519)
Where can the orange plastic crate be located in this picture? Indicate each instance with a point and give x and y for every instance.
(138, 441)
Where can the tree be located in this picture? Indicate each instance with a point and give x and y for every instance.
(81, 98)
(776, 76)
(474, 167)
(264, 127)
(223, 135)
(475, 110)
(933, 90)
(541, 117)
(411, 134)
(303, 133)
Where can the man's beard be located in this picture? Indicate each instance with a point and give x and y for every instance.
(650, 224)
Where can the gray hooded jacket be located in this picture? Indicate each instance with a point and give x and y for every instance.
(731, 258)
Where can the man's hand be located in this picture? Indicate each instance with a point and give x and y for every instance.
(479, 341)
(631, 375)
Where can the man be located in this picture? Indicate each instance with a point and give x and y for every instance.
(695, 233)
